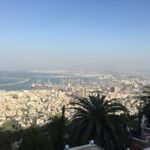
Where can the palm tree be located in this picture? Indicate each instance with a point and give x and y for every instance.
(101, 120)
(144, 107)
(145, 98)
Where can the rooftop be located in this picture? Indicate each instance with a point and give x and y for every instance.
(87, 147)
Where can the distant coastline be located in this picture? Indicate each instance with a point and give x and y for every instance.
(9, 84)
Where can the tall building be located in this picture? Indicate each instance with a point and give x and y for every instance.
(69, 84)
(83, 92)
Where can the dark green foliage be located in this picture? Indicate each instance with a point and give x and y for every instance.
(96, 118)
(145, 111)
(57, 129)
(145, 98)
(34, 139)
(10, 125)
(6, 140)
(145, 104)
(134, 124)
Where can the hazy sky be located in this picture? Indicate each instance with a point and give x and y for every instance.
(92, 35)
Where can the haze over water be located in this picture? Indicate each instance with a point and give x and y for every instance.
(23, 80)
(12, 81)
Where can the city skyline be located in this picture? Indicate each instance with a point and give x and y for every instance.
(75, 35)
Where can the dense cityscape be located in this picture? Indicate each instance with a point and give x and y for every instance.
(74, 75)
(46, 99)
(39, 98)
